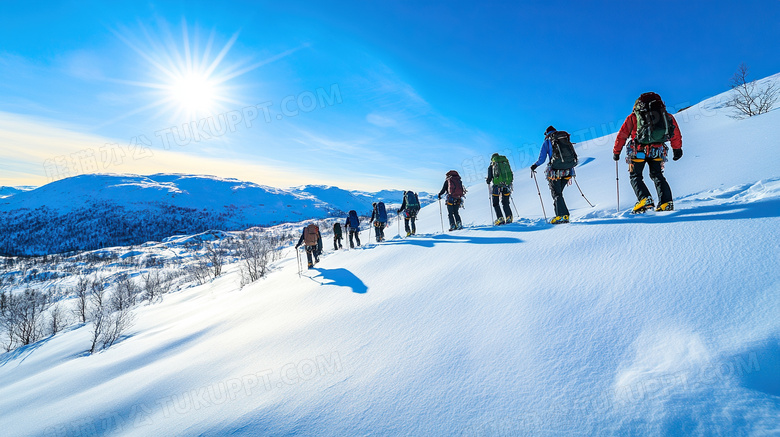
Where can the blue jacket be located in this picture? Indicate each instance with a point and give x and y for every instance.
(545, 153)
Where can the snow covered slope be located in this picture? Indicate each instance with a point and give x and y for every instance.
(663, 324)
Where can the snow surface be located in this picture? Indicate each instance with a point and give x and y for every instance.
(662, 324)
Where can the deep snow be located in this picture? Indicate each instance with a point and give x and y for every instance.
(614, 324)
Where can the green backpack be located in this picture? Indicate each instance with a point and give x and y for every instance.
(652, 121)
(502, 172)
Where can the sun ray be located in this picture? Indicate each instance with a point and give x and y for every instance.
(185, 81)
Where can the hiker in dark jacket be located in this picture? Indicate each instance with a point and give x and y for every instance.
(352, 225)
(454, 189)
(337, 236)
(502, 191)
(557, 179)
(376, 220)
(313, 240)
(410, 207)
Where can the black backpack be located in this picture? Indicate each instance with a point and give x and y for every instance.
(653, 124)
(564, 157)
(337, 230)
(412, 201)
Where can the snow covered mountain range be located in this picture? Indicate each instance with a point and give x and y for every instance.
(615, 324)
(100, 210)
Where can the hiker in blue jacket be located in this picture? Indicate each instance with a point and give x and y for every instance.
(557, 179)
(379, 220)
(352, 225)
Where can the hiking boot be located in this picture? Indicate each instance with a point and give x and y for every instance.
(509, 219)
(311, 265)
(409, 234)
(499, 222)
(643, 205)
(560, 219)
(668, 206)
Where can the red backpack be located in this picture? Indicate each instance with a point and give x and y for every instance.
(454, 184)
(310, 234)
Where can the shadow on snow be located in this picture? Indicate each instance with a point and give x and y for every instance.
(341, 278)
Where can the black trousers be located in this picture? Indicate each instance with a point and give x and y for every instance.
(379, 231)
(410, 218)
(356, 234)
(336, 243)
(312, 250)
(556, 188)
(453, 205)
(656, 174)
(502, 192)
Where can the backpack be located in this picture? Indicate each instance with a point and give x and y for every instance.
(353, 220)
(311, 234)
(652, 121)
(454, 184)
(337, 230)
(502, 172)
(564, 157)
(412, 201)
(381, 212)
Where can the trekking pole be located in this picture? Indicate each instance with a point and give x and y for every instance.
(513, 204)
(298, 255)
(583, 194)
(617, 183)
(441, 216)
(398, 220)
(490, 203)
(533, 174)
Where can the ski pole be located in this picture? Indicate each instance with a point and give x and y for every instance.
(533, 174)
(513, 204)
(583, 194)
(398, 220)
(490, 202)
(617, 184)
(441, 216)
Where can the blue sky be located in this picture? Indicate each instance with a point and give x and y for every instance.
(365, 94)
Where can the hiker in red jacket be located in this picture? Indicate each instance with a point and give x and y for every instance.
(649, 127)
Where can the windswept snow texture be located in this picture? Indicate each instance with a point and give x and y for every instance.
(662, 324)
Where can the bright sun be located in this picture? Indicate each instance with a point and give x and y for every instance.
(194, 93)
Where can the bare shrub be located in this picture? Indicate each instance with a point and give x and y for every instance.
(749, 99)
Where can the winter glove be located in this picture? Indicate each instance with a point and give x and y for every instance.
(439, 196)
(534, 167)
(677, 154)
(487, 181)
(616, 156)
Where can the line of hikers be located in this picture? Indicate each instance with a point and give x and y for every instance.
(644, 134)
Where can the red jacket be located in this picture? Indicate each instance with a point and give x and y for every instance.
(629, 130)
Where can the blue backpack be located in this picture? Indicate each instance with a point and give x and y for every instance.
(353, 220)
(381, 215)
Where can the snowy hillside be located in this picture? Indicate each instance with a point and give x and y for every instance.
(662, 324)
(99, 210)
(10, 191)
